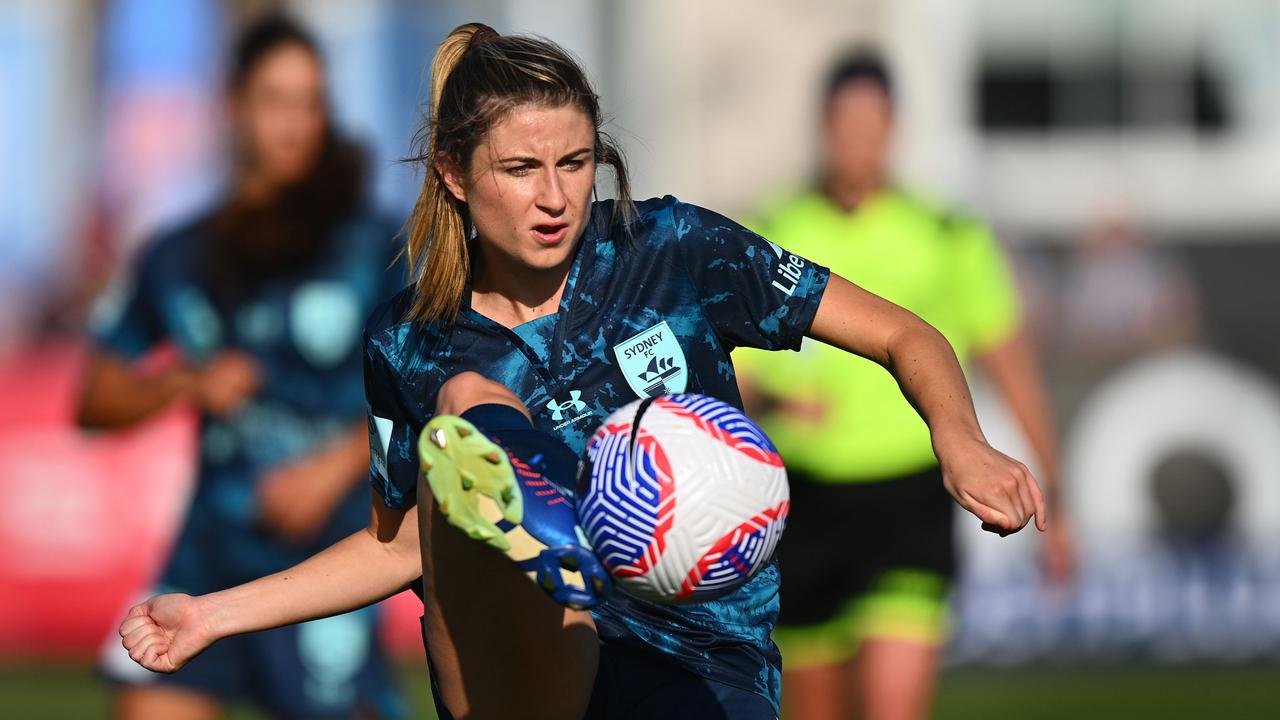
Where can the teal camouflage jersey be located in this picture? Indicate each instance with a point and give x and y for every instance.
(655, 312)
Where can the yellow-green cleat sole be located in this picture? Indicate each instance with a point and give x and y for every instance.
(462, 466)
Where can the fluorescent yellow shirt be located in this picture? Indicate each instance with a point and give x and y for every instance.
(945, 268)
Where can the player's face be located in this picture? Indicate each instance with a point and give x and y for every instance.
(859, 126)
(280, 114)
(528, 187)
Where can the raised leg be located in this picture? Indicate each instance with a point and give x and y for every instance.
(500, 646)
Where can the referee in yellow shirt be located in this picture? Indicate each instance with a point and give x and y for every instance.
(868, 555)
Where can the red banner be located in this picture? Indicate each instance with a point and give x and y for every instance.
(86, 518)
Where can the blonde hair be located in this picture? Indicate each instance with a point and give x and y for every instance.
(477, 77)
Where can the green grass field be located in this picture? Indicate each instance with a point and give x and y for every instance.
(52, 692)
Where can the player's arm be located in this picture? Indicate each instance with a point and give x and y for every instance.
(987, 483)
(126, 324)
(165, 632)
(116, 393)
(297, 498)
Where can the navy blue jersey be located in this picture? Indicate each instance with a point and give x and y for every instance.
(304, 331)
(659, 312)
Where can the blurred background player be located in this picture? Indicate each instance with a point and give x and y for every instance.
(264, 298)
(860, 460)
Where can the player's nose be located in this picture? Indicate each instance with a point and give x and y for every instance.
(551, 198)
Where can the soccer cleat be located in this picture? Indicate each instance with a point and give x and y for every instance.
(493, 496)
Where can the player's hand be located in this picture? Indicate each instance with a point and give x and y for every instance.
(165, 632)
(227, 382)
(296, 499)
(989, 484)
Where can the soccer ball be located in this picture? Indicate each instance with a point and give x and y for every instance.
(682, 497)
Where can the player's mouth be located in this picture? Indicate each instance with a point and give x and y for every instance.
(550, 233)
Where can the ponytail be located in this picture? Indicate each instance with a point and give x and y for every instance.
(438, 228)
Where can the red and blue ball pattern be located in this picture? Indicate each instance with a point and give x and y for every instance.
(686, 503)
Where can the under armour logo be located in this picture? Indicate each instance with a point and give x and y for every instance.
(573, 404)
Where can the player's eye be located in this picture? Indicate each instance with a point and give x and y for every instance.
(572, 165)
(519, 170)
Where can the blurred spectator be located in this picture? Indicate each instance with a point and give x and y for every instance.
(862, 621)
(1122, 298)
(263, 298)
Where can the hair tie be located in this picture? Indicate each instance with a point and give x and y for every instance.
(483, 34)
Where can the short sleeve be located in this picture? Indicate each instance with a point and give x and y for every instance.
(986, 292)
(755, 293)
(393, 466)
(125, 319)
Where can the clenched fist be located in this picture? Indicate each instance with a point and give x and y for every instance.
(165, 632)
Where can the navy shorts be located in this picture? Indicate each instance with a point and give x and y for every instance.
(322, 669)
(632, 684)
(635, 685)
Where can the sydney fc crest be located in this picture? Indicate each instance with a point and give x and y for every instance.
(653, 362)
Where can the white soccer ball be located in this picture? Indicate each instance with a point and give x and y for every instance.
(683, 498)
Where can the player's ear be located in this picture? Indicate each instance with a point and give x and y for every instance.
(451, 175)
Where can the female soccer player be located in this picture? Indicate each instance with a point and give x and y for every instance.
(264, 298)
(527, 324)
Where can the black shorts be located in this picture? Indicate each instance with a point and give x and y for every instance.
(855, 553)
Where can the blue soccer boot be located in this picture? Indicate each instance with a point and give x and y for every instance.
(492, 496)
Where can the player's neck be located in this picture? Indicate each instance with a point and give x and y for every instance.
(849, 193)
(513, 295)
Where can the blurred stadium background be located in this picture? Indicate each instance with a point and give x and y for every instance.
(1126, 151)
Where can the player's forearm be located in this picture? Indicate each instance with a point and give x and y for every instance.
(930, 377)
(994, 487)
(919, 357)
(114, 395)
(357, 571)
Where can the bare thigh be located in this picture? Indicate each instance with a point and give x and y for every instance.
(896, 678)
(500, 647)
